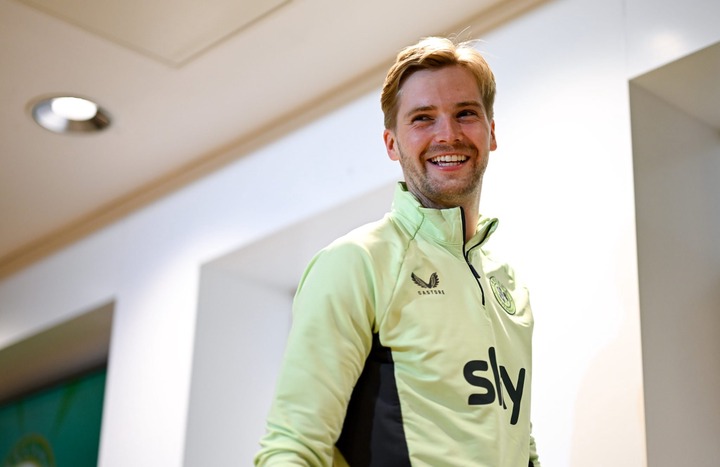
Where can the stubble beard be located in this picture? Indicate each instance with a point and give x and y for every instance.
(442, 193)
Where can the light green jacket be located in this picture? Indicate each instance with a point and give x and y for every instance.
(441, 334)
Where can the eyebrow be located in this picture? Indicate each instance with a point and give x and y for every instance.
(470, 104)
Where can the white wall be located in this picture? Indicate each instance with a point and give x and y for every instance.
(662, 31)
(677, 169)
(234, 368)
(561, 182)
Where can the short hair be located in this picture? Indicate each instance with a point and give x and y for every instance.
(434, 53)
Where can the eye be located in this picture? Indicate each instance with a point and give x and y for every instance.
(421, 118)
(467, 113)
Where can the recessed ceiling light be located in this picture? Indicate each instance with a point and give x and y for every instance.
(74, 108)
(69, 114)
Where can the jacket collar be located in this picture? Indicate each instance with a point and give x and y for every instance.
(444, 226)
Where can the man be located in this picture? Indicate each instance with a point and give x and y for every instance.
(409, 344)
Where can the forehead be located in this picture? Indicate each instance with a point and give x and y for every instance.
(437, 87)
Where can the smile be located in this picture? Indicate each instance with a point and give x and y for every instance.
(448, 160)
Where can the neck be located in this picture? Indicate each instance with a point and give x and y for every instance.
(471, 212)
(471, 220)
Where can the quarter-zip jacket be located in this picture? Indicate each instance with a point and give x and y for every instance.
(409, 346)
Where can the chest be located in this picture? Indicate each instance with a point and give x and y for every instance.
(446, 307)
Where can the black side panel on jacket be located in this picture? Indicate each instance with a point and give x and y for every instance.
(373, 433)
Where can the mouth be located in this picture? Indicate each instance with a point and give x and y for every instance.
(449, 160)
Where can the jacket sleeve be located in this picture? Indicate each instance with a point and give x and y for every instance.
(330, 338)
(534, 460)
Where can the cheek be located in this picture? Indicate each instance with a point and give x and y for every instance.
(415, 141)
(482, 139)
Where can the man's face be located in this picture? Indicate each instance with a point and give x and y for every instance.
(442, 138)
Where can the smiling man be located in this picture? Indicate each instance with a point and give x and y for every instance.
(410, 345)
(442, 138)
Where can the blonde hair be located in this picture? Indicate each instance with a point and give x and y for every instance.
(433, 53)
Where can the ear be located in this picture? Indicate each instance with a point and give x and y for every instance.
(391, 145)
(493, 141)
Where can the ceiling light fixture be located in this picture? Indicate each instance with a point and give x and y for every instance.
(69, 114)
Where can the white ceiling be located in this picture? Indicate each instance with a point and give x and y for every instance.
(187, 94)
(172, 32)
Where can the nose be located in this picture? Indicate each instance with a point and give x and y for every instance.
(448, 131)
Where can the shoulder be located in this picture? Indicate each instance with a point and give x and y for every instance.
(362, 255)
(374, 241)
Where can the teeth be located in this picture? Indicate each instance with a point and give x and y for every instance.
(449, 158)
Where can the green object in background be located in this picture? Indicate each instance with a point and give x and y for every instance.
(55, 427)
